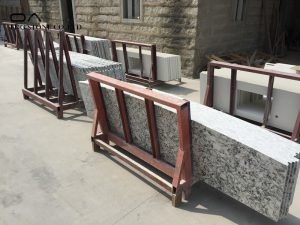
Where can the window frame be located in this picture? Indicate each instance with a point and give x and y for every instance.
(127, 20)
(239, 9)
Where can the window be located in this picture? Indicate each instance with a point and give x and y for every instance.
(239, 9)
(131, 9)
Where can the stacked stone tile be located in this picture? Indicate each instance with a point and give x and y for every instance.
(82, 65)
(168, 65)
(246, 162)
(96, 46)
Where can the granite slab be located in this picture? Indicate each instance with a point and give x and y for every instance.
(168, 65)
(81, 65)
(245, 162)
(98, 47)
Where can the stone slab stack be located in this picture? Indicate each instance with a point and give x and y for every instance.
(168, 65)
(81, 65)
(245, 162)
(96, 47)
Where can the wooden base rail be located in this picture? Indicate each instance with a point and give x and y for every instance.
(151, 78)
(12, 35)
(45, 93)
(209, 95)
(181, 173)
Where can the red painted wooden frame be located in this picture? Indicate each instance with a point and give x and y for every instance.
(79, 43)
(181, 174)
(209, 95)
(12, 35)
(55, 98)
(151, 79)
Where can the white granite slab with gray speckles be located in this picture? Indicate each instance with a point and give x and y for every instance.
(83, 64)
(246, 162)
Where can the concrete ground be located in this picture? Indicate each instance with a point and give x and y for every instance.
(50, 175)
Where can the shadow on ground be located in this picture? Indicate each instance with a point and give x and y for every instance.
(207, 200)
(77, 114)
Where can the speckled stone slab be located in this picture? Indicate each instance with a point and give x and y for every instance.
(98, 47)
(81, 65)
(246, 162)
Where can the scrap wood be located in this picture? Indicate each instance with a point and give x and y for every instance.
(214, 57)
(256, 58)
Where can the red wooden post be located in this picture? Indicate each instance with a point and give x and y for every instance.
(296, 131)
(232, 91)
(123, 114)
(152, 128)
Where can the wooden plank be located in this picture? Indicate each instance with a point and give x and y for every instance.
(40, 99)
(152, 128)
(141, 61)
(100, 105)
(296, 131)
(144, 93)
(47, 68)
(125, 57)
(162, 182)
(114, 51)
(76, 44)
(123, 114)
(268, 106)
(153, 63)
(256, 71)
(232, 91)
(142, 155)
(217, 58)
(68, 60)
(61, 70)
(184, 135)
(209, 96)
(132, 43)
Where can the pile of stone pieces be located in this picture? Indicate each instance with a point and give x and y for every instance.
(81, 65)
(245, 162)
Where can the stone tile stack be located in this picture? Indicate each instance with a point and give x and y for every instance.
(168, 65)
(96, 47)
(81, 65)
(245, 162)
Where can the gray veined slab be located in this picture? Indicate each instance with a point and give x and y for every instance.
(246, 162)
(168, 65)
(83, 64)
(98, 47)
(87, 98)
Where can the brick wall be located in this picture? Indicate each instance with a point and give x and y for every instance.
(219, 33)
(169, 24)
(47, 10)
(190, 28)
(7, 7)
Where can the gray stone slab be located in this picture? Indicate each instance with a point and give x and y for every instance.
(82, 65)
(246, 162)
(98, 47)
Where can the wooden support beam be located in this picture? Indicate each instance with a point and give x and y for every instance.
(296, 131)
(123, 114)
(268, 101)
(232, 91)
(152, 128)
